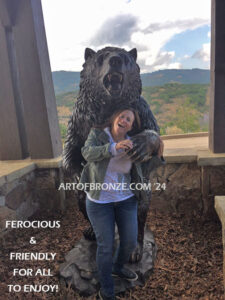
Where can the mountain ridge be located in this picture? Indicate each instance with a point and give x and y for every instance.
(68, 81)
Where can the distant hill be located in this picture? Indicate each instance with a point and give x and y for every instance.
(65, 81)
(192, 76)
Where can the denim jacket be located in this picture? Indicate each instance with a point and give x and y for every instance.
(96, 152)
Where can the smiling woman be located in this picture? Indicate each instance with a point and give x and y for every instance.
(107, 163)
(123, 120)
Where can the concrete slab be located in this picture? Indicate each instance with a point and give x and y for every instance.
(13, 169)
(207, 158)
(180, 155)
(220, 208)
(48, 163)
(184, 148)
(184, 135)
(188, 142)
(178, 149)
(190, 148)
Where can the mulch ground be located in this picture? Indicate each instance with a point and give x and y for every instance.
(189, 261)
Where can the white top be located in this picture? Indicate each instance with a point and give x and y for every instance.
(118, 165)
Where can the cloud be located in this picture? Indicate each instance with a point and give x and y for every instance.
(71, 26)
(164, 61)
(179, 24)
(164, 58)
(203, 53)
(117, 31)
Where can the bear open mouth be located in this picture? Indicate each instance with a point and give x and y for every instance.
(113, 83)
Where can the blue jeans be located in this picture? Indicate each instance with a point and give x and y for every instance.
(103, 218)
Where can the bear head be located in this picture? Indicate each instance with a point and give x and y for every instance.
(110, 75)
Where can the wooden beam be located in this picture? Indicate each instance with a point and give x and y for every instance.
(8, 12)
(40, 112)
(217, 98)
(26, 93)
(10, 137)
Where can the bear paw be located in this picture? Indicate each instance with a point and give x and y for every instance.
(136, 255)
(89, 234)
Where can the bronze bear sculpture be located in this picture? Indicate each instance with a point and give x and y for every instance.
(110, 79)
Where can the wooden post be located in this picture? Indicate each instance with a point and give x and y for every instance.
(31, 82)
(217, 99)
(13, 143)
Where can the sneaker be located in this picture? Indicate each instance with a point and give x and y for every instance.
(126, 273)
(103, 297)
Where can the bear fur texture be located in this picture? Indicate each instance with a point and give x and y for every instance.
(110, 80)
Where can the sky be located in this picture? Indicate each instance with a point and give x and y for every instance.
(168, 34)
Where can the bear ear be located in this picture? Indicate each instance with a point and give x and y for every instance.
(133, 53)
(89, 53)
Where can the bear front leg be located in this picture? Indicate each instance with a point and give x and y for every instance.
(136, 255)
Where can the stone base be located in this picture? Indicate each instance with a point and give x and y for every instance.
(80, 270)
(26, 189)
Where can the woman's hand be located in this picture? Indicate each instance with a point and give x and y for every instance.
(161, 148)
(125, 144)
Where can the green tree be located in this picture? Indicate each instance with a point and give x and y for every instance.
(63, 131)
(186, 119)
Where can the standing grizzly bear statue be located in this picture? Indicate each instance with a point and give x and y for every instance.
(110, 79)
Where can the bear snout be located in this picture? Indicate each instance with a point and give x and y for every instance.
(115, 62)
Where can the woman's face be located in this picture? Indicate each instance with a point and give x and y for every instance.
(123, 122)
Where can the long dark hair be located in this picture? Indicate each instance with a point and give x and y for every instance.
(110, 120)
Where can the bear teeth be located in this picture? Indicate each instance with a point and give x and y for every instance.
(113, 76)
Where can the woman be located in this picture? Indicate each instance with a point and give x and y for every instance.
(104, 151)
